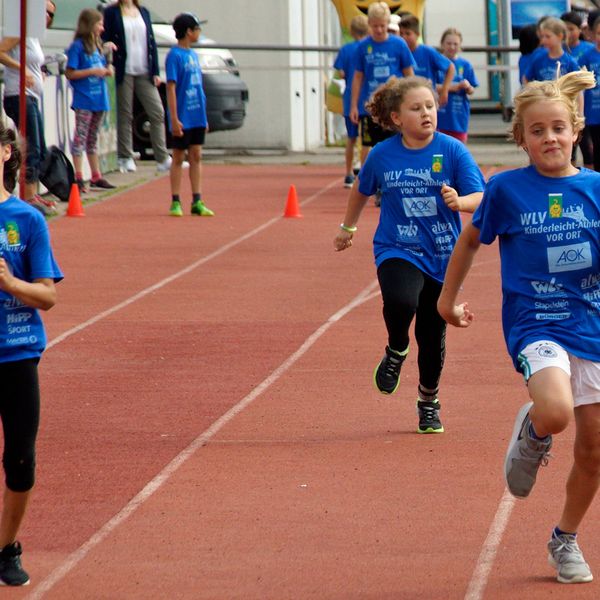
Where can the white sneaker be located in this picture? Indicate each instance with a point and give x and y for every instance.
(127, 165)
(164, 166)
(122, 164)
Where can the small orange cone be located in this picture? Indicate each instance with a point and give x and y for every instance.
(292, 209)
(75, 209)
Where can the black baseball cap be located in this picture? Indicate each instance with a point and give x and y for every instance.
(185, 21)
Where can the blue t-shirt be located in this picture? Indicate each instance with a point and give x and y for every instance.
(591, 98)
(183, 67)
(580, 50)
(25, 246)
(378, 61)
(89, 93)
(543, 68)
(415, 224)
(549, 234)
(345, 61)
(454, 116)
(429, 62)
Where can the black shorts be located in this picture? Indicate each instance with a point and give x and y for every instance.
(372, 133)
(190, 137)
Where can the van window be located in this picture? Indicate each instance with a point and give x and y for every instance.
(67, 12)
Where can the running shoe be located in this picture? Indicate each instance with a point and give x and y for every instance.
(348, 181)
(566, 557)
(200, 209)
(429, 416)
(102, 184)
(46, 207)
(524, 455)
(175, 210)
(387, 373)
(11, 571)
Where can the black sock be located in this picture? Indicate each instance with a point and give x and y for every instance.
(175, 198)
(196, 198)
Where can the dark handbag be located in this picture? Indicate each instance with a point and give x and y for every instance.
(57, 174)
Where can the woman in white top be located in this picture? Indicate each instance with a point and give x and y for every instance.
(128, 26)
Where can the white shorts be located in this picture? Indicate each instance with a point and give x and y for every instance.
(584, 374)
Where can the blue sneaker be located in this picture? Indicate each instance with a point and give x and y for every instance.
(348, 181)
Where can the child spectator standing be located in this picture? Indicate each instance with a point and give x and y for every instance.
(430, 63)
(187, 113)
(550, 308)
(86, 71)
(529, 43)
(553, 34)
(591, 103)
(577, 46)
(453, 119)
(378, 57)
(28, 273)
(425, 178)
(344, 63)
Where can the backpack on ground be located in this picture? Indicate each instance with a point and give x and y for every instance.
(57, 173)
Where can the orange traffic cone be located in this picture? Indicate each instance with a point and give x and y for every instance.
(75, 209)
(292, 209)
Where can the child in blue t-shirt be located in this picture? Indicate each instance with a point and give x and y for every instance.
(378, 57)
(28, 273)
(430, 63)
(545, 65)
(547, 220)
(345, 64)
(87, 70)
(453, 119)
(187, 113)
(425, 178)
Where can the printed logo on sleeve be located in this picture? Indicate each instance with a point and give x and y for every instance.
(569, 258)
(424, 206)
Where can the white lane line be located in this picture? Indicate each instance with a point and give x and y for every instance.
(485, 562)
(141, 294)
(155, 484)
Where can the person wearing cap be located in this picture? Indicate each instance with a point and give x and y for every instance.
(394, 25)
(127, 24)
(187, 120)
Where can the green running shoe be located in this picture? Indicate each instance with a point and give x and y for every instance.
(175, 210)
(200, 209)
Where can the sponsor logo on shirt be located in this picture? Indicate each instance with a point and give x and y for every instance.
(424, 206)
(555, 205)
(408, 234)
(548, 289)
(437, 162)
(439, 227)
(569, 258)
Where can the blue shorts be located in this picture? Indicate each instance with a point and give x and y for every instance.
(351, 128)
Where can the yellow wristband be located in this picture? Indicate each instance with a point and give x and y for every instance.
(348, 229)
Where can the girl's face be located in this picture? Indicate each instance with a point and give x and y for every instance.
(98, 28)
(417, 117)
(573, 33)
(548, 138)
(550, 40)
(451, 45)
(379, 29)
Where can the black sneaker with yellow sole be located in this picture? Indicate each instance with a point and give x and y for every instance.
(429, 417)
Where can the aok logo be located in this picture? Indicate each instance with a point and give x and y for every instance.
(420, 207)
(569, 258)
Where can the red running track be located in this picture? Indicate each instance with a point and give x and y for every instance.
(210, 429)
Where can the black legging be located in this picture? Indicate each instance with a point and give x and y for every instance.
(20, 413)
(595, 133)
(407, 291)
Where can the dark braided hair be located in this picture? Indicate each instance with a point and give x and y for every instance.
(8, 137)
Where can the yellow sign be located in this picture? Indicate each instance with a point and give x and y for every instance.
(348, 9)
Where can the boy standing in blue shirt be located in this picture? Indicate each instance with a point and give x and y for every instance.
(187, 112)
(429, 61)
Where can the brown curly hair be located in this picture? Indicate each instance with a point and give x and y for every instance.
(388, 97)
(8, 137)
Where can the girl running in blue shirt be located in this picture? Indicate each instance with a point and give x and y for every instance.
(28, 273)
(453, 118)
(87, 70)
(553, 35)
(425, 178)
(547, 219)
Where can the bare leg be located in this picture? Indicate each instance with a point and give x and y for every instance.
(550, 390)
(175, 173)
(349, 154)
(13, 511)
(94, 163)
(78, 163)
(584, 478)
(195, 158)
